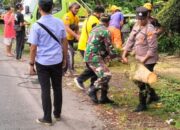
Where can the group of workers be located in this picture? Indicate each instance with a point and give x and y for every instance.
(99, 36)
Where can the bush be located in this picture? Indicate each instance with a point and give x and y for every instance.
(169, 16)
(169, 43)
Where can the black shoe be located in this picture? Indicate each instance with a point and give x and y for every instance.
(57, 118)
(153, 99)
(79, 84)
(92, 94)
(140, 108)
(106, 100)
(44, 122)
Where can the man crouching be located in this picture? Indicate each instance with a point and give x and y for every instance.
(98, 49)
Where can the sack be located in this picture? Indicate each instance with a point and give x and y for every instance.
(17, 28)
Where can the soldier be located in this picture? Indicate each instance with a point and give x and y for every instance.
(98, 48)
(88, 25)
(143, 38)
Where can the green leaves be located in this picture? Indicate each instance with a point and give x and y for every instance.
(169, 43)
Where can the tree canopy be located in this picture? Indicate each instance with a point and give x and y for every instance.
(169, 16)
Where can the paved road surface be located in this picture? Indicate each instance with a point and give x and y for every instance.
(20, 102)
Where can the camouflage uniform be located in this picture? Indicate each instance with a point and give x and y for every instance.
(98, 48)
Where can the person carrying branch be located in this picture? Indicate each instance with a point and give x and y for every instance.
(143, 38)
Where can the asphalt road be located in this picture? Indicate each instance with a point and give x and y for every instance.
(20, 102)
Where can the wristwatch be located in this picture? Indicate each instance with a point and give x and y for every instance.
(31, 64)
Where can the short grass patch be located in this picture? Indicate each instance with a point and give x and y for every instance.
(125, 94)
(1, 29)
(167, 88)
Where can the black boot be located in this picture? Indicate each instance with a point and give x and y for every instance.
(142, 102)
(93, 94)
(104, 99)
(153, 97)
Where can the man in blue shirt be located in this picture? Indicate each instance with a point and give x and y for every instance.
(48, 55)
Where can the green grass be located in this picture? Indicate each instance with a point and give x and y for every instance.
(170, 99)
(126, 96)
(167, 88)
(1, 29)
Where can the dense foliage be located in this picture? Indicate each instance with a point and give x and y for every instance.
(128, 6)
(169, 17)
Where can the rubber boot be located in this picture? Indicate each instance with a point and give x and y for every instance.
(153, 97)
(104, 98)
(142, 102)
(93, 94)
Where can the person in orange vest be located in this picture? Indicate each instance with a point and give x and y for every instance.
(115, 25)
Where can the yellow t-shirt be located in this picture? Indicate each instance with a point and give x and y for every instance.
(88, 24)
(70, 19)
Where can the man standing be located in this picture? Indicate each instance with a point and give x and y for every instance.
(20, 31)
(98, 48)
(115, 25)
(88, 25)
(71, 21)
(48, 51)
(143, 38)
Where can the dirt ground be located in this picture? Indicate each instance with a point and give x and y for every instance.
(120, 116)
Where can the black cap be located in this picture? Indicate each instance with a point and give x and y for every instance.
(141, 13)
(45, 2)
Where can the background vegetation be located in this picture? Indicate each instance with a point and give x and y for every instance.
(169, 17)
(167, 12)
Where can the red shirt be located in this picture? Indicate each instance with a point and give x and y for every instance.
(9, 31)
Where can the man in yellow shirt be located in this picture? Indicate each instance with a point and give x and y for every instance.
(88, 24)
(71, 21)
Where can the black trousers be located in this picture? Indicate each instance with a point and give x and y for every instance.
(47, 75)
(87, 73)
(20, 40)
